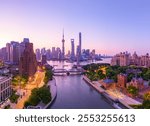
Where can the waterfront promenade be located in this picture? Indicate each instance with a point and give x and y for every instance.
(113, 94)
(94, 84)
(53, 90)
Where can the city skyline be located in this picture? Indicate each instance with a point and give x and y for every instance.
(115, 26)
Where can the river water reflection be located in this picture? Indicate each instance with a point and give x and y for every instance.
(74, 92)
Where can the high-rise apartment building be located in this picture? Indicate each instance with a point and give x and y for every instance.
(125, 59)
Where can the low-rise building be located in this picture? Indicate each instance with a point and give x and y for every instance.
(5, 88)
(107, 83)
(136, 82)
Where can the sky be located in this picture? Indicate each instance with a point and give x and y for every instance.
(108, 26)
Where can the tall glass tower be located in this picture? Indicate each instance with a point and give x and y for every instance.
(80, 41)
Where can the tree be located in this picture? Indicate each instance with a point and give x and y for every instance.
(17, 80)
(48, 75)
(146, 104)
(147, 96)
(100, 74)
(14, 97)
(130, 76)
(39, 94)
(132, 90)
(146, 76)
(44, 94)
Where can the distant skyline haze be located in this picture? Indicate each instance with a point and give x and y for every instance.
(108, 26)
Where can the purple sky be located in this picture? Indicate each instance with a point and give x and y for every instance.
(109, 26)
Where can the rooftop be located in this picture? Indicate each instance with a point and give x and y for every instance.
(3, 78)
(108, 81)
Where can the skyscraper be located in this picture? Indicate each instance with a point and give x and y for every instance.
(8, 51)
(63, 47)
(14, 52)
(4, 54)
(28, 62)
(43, 51)
(77, 54)
(44, 59)
(80, 41)
(72, 50)
(38, 54)
(26, 40)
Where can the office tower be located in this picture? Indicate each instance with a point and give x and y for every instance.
(28, 62)
(8, 51)
(44, 59)
(78, 54)
(43, 51)
(72, 57)
(38, 54)
(14, 52)
(93, 54)
(48, 54)
(53, 52)
(80, 42)
(63, 47)
(5, 88)
(4, 54)
(22, 46)
(26, 40)
(87, 53)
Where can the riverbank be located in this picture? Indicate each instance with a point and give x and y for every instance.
(124, 100)
(53, 90)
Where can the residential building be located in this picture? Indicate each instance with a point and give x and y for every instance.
(5, 88)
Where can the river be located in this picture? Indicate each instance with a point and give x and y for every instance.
(74, 93)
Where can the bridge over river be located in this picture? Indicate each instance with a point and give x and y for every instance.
(73, 71)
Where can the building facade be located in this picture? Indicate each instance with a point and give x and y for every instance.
(72, 57)
(28, 62)
(125, 59)
(121, 80)
(5, 88)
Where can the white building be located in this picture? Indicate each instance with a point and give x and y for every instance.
(5, 88)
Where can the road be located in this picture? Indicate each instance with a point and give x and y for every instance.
(37, 82)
